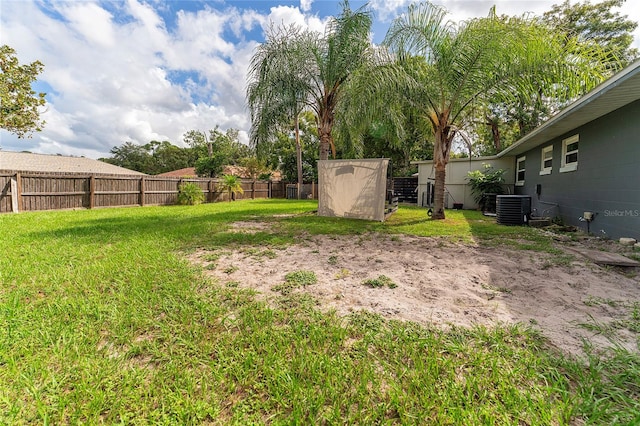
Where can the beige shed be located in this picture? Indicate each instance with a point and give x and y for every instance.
(354, 189)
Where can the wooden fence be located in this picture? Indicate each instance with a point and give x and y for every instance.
(405, 188)
(31, 191)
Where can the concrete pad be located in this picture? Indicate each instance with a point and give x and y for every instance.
(605, 258)
(627, 241)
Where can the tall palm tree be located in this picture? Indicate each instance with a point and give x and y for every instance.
(464, 65)
(296, 70)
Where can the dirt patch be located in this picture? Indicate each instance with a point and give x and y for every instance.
(429, 280)
(249, 227)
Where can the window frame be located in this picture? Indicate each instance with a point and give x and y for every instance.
(523, 170)
(572, 166)
(546, 170)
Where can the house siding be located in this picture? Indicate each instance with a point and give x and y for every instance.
(457, 188)
(607, 179)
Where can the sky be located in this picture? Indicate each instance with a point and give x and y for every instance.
(142, 70)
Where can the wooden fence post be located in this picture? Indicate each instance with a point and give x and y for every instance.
(269, 189)
(142, 189)
(92, 191)
(15, 194)
(211, 188)
(19, 189)
(253, 189)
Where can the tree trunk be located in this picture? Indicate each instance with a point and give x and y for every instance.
(325, 124)
(441, 150)
(495, 132)
(438, 211)
(325, 144)
(298, 157)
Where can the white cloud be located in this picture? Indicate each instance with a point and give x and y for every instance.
(91, 22)
(287, 15)
(114, 81)
(389, 9)
(305, 5)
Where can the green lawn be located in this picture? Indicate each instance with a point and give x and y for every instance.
(102, 320)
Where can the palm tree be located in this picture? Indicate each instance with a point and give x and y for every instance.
(462, 66)
(231, 185)
(296, 70)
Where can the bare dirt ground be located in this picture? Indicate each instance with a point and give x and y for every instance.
(566, 297)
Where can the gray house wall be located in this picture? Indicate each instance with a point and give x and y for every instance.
(607, 179)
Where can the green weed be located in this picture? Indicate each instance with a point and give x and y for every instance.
(381, 281)
(294, 280)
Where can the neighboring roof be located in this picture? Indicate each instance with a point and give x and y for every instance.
(180, 173)
(621, 89)
(28, 162)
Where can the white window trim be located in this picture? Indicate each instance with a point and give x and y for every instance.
(546, 170)
(571, 166)
(520, 182)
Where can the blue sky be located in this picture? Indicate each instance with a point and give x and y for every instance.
(142, 70)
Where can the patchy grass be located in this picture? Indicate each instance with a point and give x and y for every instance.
(381, 281)
(102, 320)
(630, 312)
(294, 280)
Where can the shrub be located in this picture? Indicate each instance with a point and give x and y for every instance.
(189, 193)
(232, 185)
(488, 181)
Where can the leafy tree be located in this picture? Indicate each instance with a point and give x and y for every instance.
(231, 185)
(216, 150)
(19, 104)
(468, 64)
(381, 141)
(166, 157)
(282, 155)
(130, 156)
(254, 169)
(599, 24)
(210, 166)
(295, 66)
(580, 27)
(151, 158)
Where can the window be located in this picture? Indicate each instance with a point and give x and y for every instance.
(520, 164)
(570, 154)
(547, 160)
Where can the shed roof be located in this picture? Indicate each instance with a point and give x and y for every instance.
(621, 89)
(29, 162)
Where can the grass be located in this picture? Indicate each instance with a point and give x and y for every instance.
(628, 310)
(381, 281)
(102, 320)
(296, 279)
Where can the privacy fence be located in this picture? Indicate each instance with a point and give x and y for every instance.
(31, 191)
